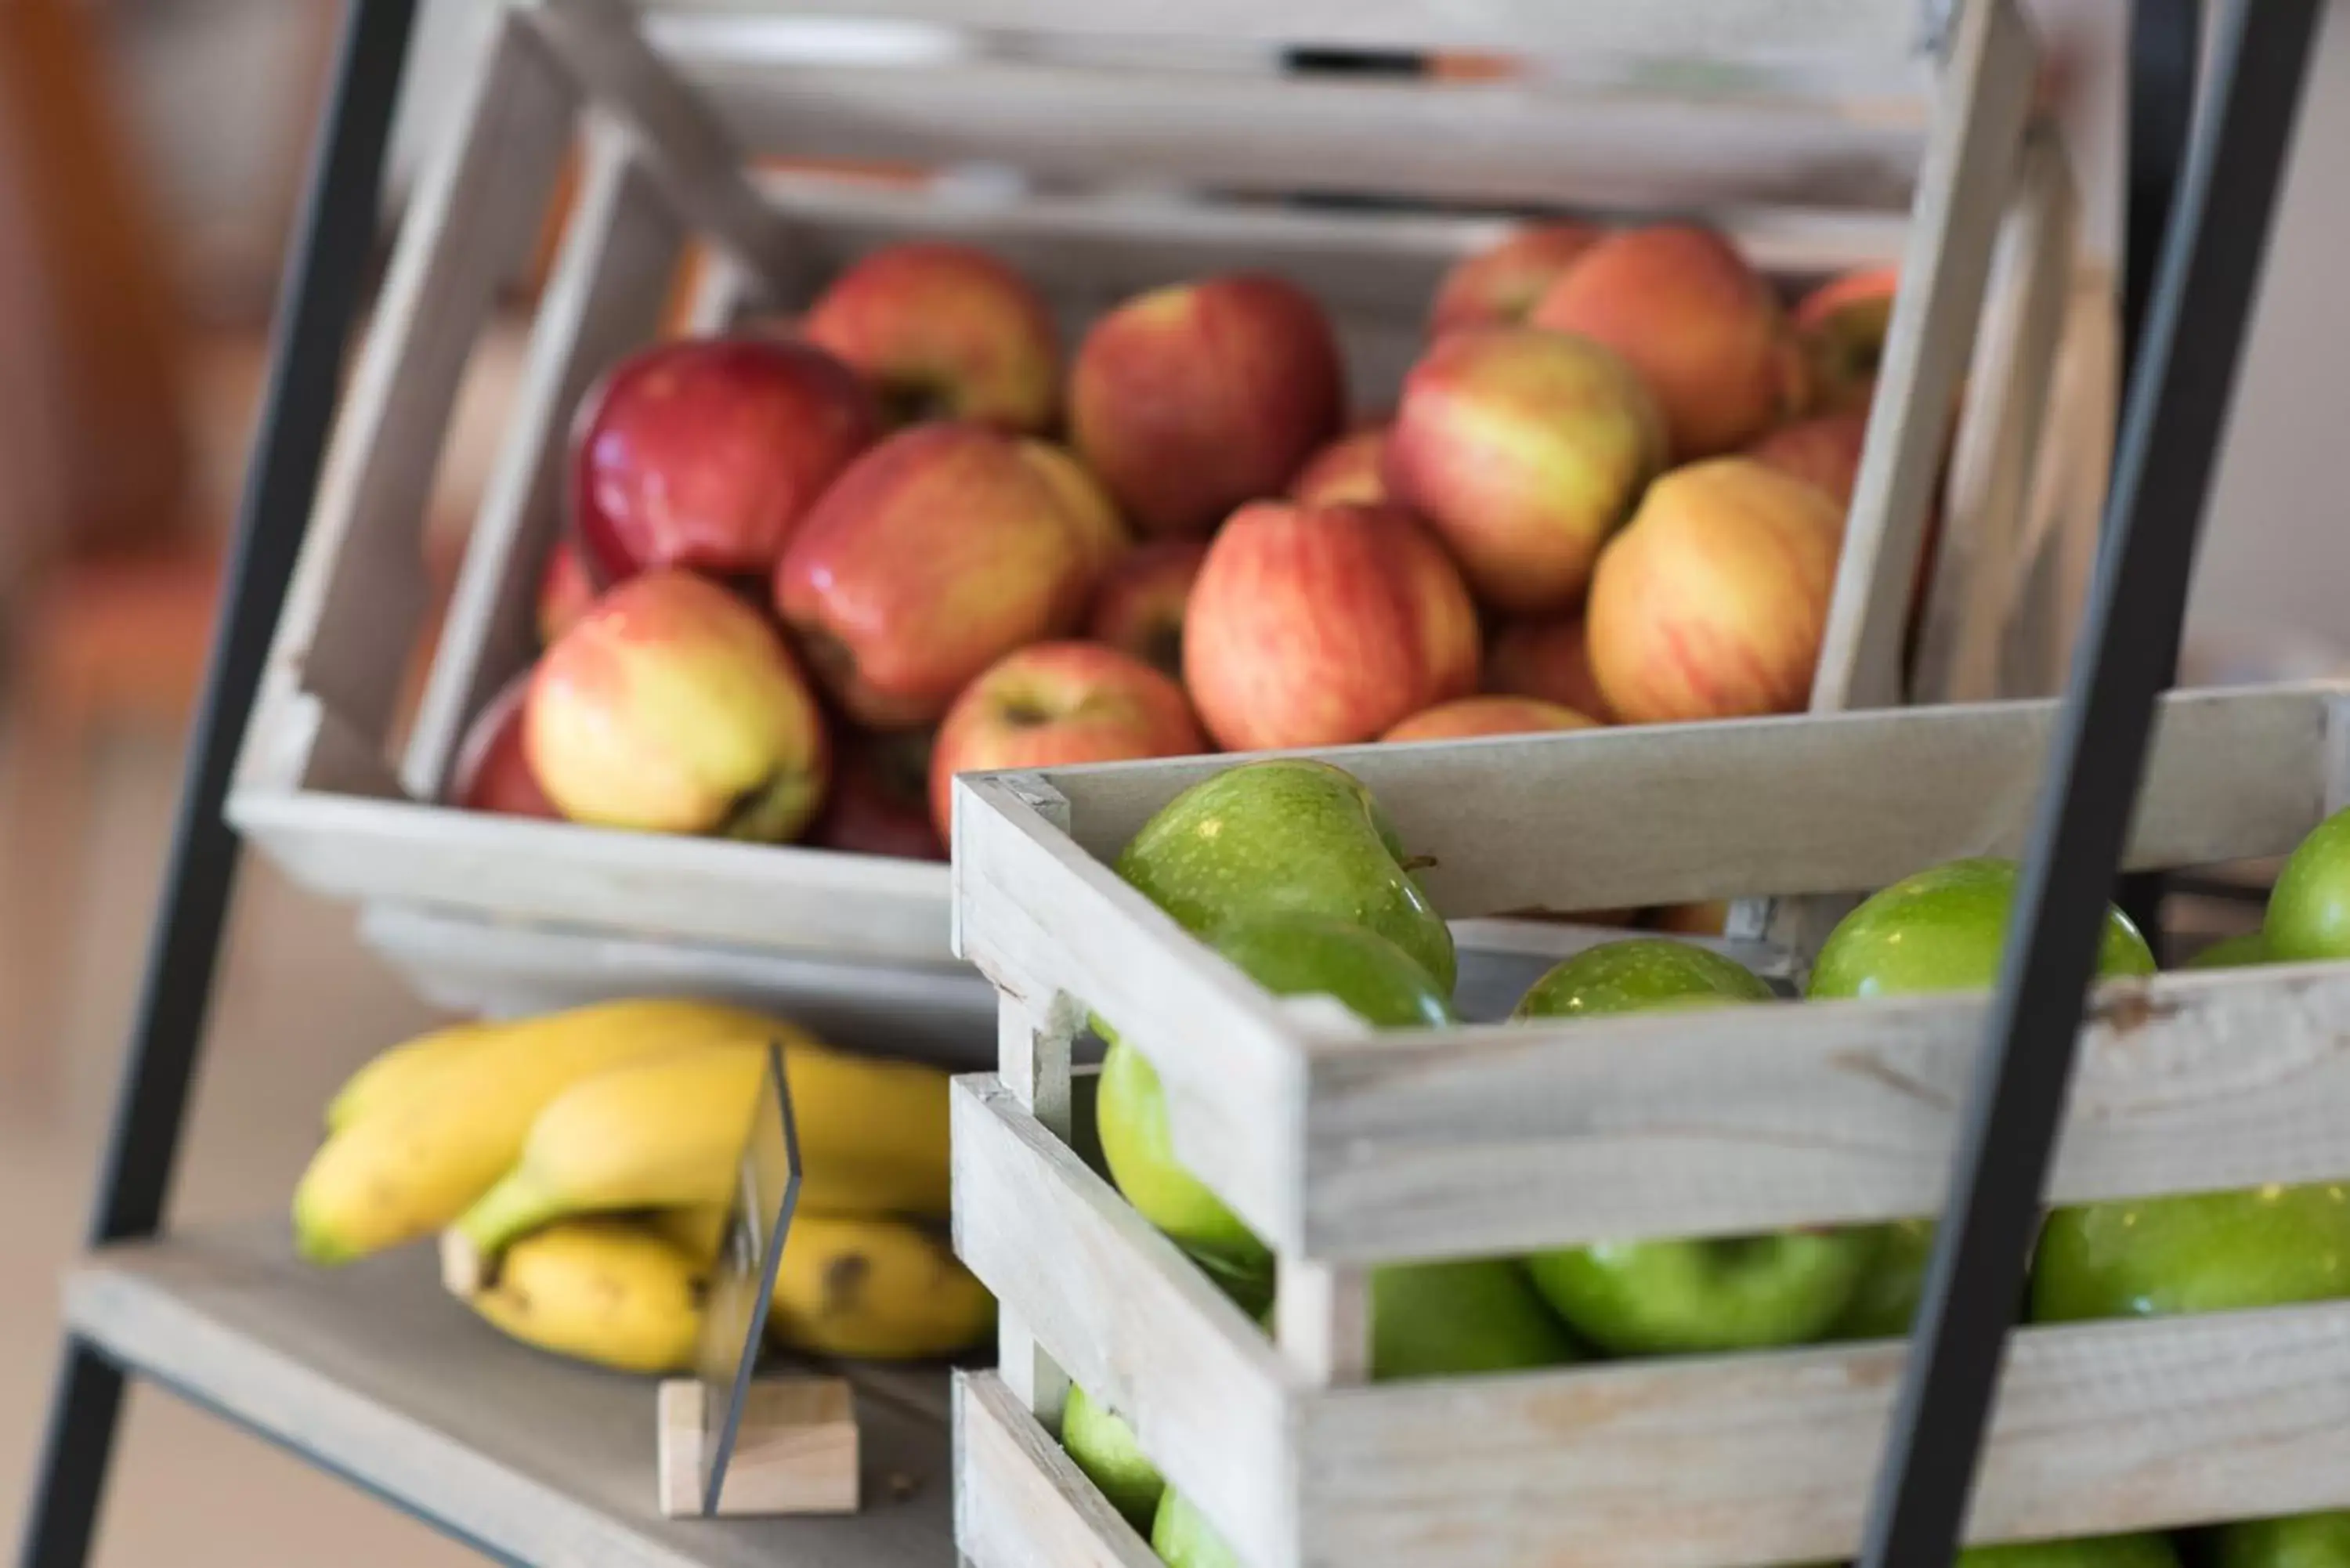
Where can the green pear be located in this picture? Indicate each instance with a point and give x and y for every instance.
(1662, 1298)
(1445, 1320)
(2209, 1251)
(1104, 1448)
(2239, 951)
(2080, 1552)
(1943, 930)
(2300, 1540)
(1290, 954)
(2309, 907)
(1286, 835)
(1183, 1538)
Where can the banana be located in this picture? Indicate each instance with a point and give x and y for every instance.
(699, 1232)
(667, 1132)
(600, 1290)
(398, 1072)
(874, 1289)
(408, 1168)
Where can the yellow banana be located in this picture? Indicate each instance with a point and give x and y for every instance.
(600, 1290)
(699, 1232)
(875, 1290)
(667, 1132)
(410, 1167)
(398, 1072)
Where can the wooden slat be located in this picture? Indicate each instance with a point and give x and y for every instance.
(1019, 1502)
(1840, 803)
(359, 595)
(1044, 922)
(1493, 142)
(373, 1373)
(1768, 1458)
(1495, 1140)
(1134, 1322)
(603, 300)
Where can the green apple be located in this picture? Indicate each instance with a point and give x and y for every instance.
(1440, 1320)
(1104, 1448)
(2080, 1552)
(1645, 972)
(1662, 1298)
(2309, 908)
(2209, 1251)
(2300, 1540)
(1285, 835)
(1183, 1538)
(1943, 930)
(1290, 954)
(2235, 952)
(1893, 1285)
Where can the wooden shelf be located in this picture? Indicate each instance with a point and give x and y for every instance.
(371, 1372)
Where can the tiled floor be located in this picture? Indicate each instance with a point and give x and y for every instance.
(299, 1004)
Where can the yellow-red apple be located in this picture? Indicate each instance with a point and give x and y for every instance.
(1713, 603)
(673, 707)
(706, 453)
(1054, 704)
(1842, 325)
(1524, 450)
(944, 331)
(1317, 626)
(1138, 608)
(1192, 400)
(1350, 470)
(1464, 717)
(879, 802)
(1702, 329)
(937, 553)
(1547, 657)
(1500, 285)
(1824, 449)
(565, 592)
(492, 773)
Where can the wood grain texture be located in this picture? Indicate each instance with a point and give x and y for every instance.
(1134, 1322)
(1033, 1066)
(1720, 1463)
(1809, 804)
(602, 301)
(1019, 1501)
(372, 1373)
(358, 600)
(1471, 1143)
(795, 1452)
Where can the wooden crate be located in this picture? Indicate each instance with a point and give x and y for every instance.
(670, 107)
(1345, 1149)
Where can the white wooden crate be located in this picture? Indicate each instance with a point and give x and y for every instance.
(1345, 1149)
(1143, 174)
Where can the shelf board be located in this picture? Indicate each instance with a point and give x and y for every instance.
(372, 1373)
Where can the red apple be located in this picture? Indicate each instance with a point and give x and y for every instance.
(1548, 658)
(1824, 449)
(492, 773)
(879, 801)
(944, 331)
(937, 553)
(1704, 919)
(1190, 401)
(1467, 716)
(1702, 327)
(565, 592)
(1351, 470)
(1500, 285)
(1318, 626)
(1713, 603)
(1138, 608)
(673, 707)
(707, 453)
(1054, 704)
(1842, 325)
(1524, 450)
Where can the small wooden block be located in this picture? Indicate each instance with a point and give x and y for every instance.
(797, 1452)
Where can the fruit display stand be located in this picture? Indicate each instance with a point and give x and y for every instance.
(668, 116)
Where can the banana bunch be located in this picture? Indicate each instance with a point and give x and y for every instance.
(579, 1167)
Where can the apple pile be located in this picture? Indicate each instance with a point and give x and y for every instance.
(1290, 870)
(811, 574)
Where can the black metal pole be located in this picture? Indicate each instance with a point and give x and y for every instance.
(2166, 56)
(324, 276)
(2177, 409)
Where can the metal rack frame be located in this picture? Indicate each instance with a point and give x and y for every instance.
(2202, 190)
